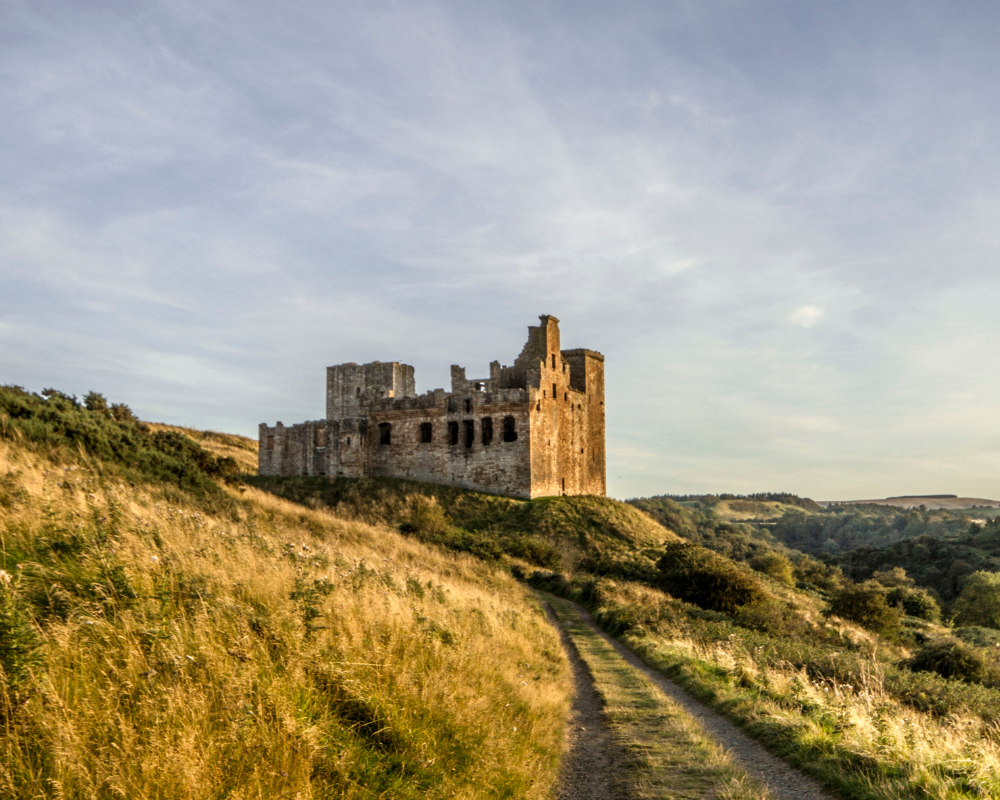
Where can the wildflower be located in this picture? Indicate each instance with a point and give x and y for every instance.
(5, 577)
(154, 559)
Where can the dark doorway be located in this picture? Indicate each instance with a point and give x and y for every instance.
(452, 432)
(470, 432)
(385, 433)
(426, 432)
(509, 429)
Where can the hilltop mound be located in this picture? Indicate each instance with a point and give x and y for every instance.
(595, 534)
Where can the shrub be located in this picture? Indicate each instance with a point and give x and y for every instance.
(915, 603)
(867, 604)
(699, 576)
(979, 603)
(56, 420)
(775, 565)
(951, 658)
(895, 577)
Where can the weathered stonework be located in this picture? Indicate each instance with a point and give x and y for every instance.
(530, 430)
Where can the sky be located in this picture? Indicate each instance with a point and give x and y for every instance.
(779, 221)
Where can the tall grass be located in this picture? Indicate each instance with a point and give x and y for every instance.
(847, 714)
(261, 650)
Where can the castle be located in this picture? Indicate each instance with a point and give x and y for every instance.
(530, 430)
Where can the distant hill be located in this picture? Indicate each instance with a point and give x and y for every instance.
(929, 501)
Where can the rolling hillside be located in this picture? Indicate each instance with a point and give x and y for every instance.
(166, 632)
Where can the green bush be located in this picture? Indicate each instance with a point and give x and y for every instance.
(774, 565)
(113, 435)
(867, 604)
(915, 603)
(699, 576)
(979, 602)
(951, 658)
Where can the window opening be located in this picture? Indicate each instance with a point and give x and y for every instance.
(453, 432)
(470, 432)
(426, 431)
(321, 437)
(565, 397)
(555, 392)
(452, 404)
(487, 431)
(358, 392)
(553, 361)
(468, 405)
(509, 429)
(385, 433)
(564, 486)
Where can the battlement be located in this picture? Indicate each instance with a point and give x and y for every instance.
(530, 429)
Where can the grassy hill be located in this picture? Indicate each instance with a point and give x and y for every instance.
(166, 632)
(592, 534)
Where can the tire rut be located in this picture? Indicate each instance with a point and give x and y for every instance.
(593, 762)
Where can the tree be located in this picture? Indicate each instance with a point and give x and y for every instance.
(979, 603)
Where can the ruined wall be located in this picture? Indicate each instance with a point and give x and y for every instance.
(550, 404)
(298, 450)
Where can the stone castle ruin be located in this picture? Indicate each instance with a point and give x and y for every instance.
(530, 430)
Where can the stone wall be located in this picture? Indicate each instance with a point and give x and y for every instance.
(550, 403)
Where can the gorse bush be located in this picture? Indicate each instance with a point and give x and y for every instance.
(979, 603)
(774, 565)
(915, 603)
(951, 658)
(706, 579)
(867, 604)
(111, 434)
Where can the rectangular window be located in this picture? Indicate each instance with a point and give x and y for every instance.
(555, 392)
(509, 429)
(321, 436)
(487, 431)
(452, 404)
(468, 405)
(470, 432)
(385, 433)
(553, 361)
(453, 432)
(426, 431)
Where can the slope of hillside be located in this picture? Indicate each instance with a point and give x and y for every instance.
(595, 534)
(175, 637)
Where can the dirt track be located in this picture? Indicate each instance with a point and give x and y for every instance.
(592, 765)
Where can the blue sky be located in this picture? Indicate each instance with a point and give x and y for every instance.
(779, 221)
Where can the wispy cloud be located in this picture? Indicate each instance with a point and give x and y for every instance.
(206, 203)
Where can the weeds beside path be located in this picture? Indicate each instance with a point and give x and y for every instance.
(671, 745)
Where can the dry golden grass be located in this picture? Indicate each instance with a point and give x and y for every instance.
(270, 651)
(855, 736)
(241, 449)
